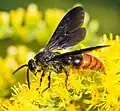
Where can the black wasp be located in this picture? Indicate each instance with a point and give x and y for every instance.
(68, 33)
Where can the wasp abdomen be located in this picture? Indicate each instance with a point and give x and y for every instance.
(91, 62)
(87, 61)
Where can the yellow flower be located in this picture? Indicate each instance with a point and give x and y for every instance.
(17, 18)
(87, 89)
(32, 16)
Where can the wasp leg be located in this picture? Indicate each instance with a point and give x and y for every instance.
(43, 74)
(28, 78)
(66, 72)
(57, 69)
(49, 79)
(37, 72)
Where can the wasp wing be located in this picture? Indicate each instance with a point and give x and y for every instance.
(76, 52)
(69, 31)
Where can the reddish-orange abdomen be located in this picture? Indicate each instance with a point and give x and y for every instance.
(90, 62)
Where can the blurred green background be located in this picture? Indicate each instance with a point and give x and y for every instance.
(107, 12)
(27, 25)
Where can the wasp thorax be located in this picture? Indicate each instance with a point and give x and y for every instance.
(44, 57)
(32, 65)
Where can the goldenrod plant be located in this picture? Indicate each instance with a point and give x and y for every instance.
(88, 90)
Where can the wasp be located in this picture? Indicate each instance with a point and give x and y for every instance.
(68, 33)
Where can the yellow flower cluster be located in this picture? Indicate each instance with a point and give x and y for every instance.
(29, 24)
(13, 59)
(87, 89)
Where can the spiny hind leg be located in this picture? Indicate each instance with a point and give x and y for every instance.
(67, 74)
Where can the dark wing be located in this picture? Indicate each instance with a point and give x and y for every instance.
(79, 51)
(69, 31)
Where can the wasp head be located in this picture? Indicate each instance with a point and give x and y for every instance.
(32, 65)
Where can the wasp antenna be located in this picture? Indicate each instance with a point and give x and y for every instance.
(25, 65)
